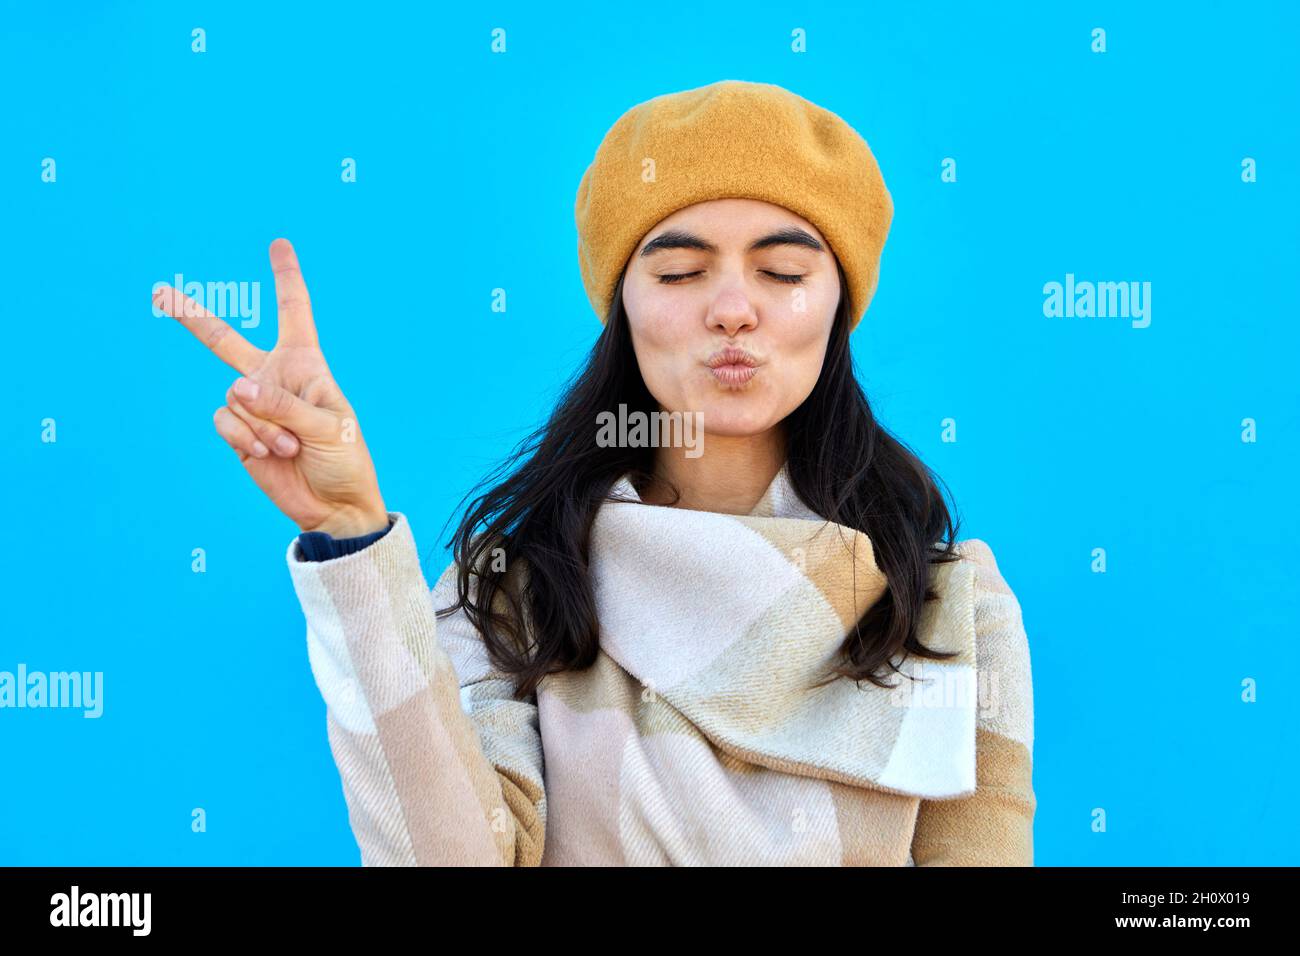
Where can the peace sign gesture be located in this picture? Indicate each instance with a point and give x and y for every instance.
(285, 417)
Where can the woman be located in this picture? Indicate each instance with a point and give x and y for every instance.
(665, 652)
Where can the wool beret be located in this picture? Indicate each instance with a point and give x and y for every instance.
(731, 139)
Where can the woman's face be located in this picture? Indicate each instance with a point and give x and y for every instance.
(753, 276)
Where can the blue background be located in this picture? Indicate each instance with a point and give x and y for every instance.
(1072, 433)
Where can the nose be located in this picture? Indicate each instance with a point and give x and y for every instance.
(731, 312)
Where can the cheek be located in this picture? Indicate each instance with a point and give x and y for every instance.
(651, 314)
(659, 335)
(813, 307)
(800, 341)
(658, 319)
(801, 333)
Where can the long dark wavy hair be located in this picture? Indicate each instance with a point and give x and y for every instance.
(538, 515)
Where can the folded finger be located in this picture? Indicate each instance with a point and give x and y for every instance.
(282, 441)
(238, 434)
(271, 403)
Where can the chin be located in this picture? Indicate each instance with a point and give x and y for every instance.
(736, 419)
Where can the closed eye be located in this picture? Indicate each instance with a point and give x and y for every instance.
(669, 279)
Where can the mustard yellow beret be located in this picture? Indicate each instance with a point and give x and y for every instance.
(731, 139)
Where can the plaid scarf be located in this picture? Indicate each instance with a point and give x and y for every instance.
(696, 736)
(731, 619)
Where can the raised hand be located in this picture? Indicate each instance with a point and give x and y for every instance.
(285, 417)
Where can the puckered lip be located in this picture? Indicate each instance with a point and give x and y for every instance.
(731, 355)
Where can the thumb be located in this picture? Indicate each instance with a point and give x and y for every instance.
(281, 406)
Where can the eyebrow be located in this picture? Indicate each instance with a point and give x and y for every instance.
(681, 239)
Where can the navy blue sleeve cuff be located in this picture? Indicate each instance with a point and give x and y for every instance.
(322, 546)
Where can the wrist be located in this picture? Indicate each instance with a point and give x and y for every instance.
(354, 523)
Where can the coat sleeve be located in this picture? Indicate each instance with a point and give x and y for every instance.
(995, 825)
(440, 765)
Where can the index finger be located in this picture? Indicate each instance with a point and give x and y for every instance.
(227, 344)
